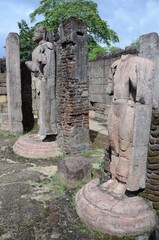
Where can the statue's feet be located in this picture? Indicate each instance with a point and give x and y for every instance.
(39, 137)
(109, 185)
(119, 190)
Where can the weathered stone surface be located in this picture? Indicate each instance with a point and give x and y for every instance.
(155, 116)
(155, 134)
(73, 169)
(153, 160)
(156, 206)
(29, 146)
(153, 197)
(152, 187)
(131, 83)
(153, 127)
(153, 166)
(149, 49)
(98, 75)
(153, 153)
(153, 176)
(14, 84)
(153, 181)
(42, 67)
(72, 86)
(124, 217)
(154, 147)
(3, 102)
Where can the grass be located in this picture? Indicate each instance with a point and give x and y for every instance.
(5, 133)
(99, 235)
(56, 185)
(98, 153)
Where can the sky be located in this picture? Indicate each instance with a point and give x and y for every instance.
(128, 18)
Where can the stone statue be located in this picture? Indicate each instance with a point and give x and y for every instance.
(42, 67)
(131, 84)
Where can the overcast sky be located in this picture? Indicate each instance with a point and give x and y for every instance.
(129, 18)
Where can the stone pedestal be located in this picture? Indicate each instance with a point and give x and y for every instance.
(129, 216)
(28, 146)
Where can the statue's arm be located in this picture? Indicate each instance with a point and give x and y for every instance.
(109, 89)
(29, 65)
(33, 66)
(47, 59)
(110, 86)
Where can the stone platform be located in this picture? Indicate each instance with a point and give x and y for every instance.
(28, 146)
(129, 216)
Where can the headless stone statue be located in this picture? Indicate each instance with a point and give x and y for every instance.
(42, 67)
(131, 84)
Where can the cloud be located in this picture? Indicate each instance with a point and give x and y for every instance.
(130, 18)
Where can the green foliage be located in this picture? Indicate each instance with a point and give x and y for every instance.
(98, 234)
(111, 49)
(26, 43)
(54, 11)
(97, 153)
(96, 51)
(135, 43)
(57, 185)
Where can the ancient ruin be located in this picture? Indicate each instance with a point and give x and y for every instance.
(59, 70)
(132, 158)
(107, 206)
(131, 83)
(14, 84)
(72, 86)
(42, 67)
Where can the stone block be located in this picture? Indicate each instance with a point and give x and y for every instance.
(3, 98)
(142, 125)
(73, 169)
(97, 72)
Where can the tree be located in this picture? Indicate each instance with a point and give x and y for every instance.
(54, 11)
(26, 43)
(135, 43)
(99, 50)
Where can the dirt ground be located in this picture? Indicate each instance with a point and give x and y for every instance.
(34, 203)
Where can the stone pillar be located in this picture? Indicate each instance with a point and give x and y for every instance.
(149, 48)
(14, 84)
(72, 86)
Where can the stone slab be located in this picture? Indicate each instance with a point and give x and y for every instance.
(129, 216)
(74, 168)
(3, 98)
(28, 146)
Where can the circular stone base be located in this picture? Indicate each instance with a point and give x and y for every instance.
(28, 146)
(129, 216)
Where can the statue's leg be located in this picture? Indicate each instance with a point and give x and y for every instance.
(125, 146)
(113, 130)
(42, 112)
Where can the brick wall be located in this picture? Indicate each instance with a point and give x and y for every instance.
(72, 86)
